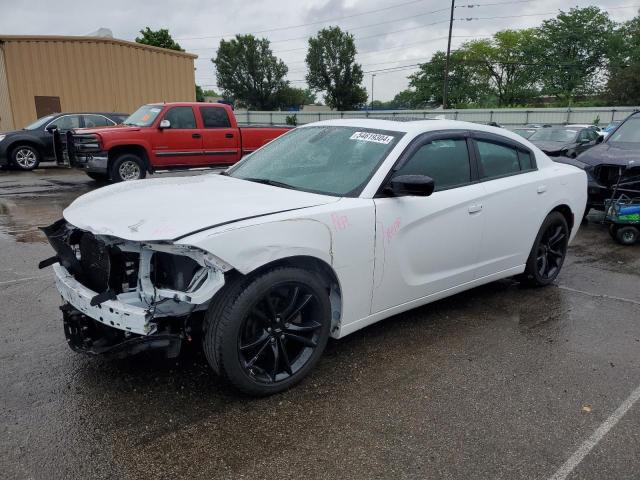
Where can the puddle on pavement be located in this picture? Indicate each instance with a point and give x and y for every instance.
(20, 217)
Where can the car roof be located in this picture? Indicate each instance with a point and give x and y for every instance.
(415, 127)
(87, 113)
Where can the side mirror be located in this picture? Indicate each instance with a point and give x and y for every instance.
(164, 124)
(52, 127)
(411, 185)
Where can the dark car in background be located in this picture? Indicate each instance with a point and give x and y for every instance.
(565, 141)
(606, 162)
(525, 132)
(26, 148)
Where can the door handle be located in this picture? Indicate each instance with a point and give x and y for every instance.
(228, 135)
(196, 135)
(475, 208)
(542, 189)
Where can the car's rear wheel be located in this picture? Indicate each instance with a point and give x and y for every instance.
(627, 235)
(548, 252)
(25, 157)
(270, 333)
(127, 166)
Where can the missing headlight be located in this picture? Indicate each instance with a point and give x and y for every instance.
(173, 272)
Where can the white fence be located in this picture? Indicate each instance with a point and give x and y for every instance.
(509, 117)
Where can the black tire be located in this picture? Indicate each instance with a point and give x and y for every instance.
(548, 252)
(127, 166)
(627, 235)
(98, 177)
(264, 349)
(25, 157)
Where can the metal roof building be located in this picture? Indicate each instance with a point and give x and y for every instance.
(40, 75)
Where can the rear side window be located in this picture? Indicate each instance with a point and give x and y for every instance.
(526, 162)
(91, 121)
(181, 117)
(497, 160)
(446, 161)
(214, 117)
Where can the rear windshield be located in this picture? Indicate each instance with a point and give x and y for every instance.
(554, 135)
(144, 116)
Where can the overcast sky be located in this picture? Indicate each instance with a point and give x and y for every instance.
(404, 34)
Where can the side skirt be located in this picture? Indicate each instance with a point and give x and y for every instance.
(346, 329)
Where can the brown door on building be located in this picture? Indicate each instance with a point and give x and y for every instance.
(47, 105)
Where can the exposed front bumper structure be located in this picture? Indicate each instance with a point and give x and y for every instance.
(133, 295)
(86, 335)
(113, 313)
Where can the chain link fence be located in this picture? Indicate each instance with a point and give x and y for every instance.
(507, 117)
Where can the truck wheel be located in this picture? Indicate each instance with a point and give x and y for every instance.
(270, 333)
(627, 235)
(548, 251)
(127, 166)
(25, 157)
(98, 177)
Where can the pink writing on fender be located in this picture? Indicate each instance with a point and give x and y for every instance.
(340, 222)
(391, 231)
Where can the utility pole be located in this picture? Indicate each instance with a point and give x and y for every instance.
(446, 65)
(373, 75)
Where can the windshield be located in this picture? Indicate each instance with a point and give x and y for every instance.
(144, 116)
(524, 132)
(41, 122)
(331, 160)
(628, 132)
(554, 135)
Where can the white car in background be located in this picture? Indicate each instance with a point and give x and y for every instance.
(327, 229)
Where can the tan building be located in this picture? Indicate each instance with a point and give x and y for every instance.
(40, 75)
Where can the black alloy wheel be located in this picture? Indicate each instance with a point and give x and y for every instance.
(280, 333)
(265, 333)
(551, 251)
(548, 252)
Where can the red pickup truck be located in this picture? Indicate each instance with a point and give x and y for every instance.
(164, 136)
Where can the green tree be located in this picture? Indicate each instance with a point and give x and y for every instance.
(295, 97)
(158, 38)
(210, 93)
(623, 87)
(575, 46)
(405, 99)
(467, 84)
(508, 61)
(199, 94)
(333, 69)
(248, 71)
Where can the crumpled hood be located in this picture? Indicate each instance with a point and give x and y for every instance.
(551, 146)
(617, 153)
(168, 208)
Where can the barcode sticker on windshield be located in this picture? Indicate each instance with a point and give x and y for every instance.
(372, 137)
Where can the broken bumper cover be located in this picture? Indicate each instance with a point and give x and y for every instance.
(86, 335)
(112, 313)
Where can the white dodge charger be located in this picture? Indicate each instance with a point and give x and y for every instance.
(325, 230)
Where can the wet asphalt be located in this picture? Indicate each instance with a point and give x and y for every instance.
(500, 382)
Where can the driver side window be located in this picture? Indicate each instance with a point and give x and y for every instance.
(446, 161)
(181, 117)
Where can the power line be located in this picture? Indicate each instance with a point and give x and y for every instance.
(290, 27)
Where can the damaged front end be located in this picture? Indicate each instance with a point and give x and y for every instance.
(123, 297)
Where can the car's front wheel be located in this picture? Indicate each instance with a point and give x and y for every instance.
(269, 332)
(25, 157)
(548, 252)
(127, 166)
